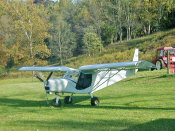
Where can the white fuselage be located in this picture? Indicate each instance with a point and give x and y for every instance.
(99, 81)
(64, 85)
(61, 85)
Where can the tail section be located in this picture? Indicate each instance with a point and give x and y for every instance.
(136, 55)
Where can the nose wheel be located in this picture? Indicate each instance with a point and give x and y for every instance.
(56, 102)
(94, 100)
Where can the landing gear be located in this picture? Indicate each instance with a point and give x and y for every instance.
(56, 102)
(94, 100)
(68, 100)
(160, 64)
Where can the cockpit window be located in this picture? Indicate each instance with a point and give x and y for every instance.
(84, 81)
(71, 75)
(160, 53)
(172, 52)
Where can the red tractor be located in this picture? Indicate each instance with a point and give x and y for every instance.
(161, 57)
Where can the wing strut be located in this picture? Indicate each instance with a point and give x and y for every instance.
(102, 78)
(104, 81)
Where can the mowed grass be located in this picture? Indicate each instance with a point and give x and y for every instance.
(145, 101)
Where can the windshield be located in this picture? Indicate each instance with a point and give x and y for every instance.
(71, 75)
(172, 52)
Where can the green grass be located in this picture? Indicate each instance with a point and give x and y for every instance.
(145, 101)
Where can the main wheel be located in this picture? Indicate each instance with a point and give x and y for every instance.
(160, 64)
(56, 104)
(68, 100)
(95, 101)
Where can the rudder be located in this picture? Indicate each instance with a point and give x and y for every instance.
(136, 55)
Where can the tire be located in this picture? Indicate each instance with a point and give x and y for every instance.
(152, 69)
(55, 104)
(66, 100)
(160, 64)
(95, 101)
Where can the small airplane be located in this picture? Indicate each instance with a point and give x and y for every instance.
(88, 79)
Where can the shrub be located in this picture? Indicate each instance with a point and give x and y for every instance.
(2, 70)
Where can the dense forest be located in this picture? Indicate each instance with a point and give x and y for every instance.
(47, 32)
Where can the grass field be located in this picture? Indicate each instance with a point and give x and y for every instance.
(145, 101)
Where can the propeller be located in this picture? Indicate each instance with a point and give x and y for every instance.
(49, 76)
(39, 78)
(45, 83)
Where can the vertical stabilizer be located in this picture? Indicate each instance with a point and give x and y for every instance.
(136, 55)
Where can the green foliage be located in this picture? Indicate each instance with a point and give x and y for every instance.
(3, 55)
(47, 33)
(23, 32)
(92, 43)
(2, 70)
(108, 34)
(62, 43)
(124, 51)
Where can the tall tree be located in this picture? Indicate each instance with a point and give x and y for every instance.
(3, 34)
(62, 43)
(30, 32)
(92, 42)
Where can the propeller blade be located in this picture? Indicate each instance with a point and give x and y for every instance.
(39, 78)
(49, 76)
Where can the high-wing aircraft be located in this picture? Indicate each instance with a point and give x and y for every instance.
(88, 79)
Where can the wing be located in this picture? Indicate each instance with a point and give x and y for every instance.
(48, 69)
(121, 65)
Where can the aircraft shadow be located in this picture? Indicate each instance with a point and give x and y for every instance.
(22, 103)
(156, 125)
(75, 104)
(35, 103)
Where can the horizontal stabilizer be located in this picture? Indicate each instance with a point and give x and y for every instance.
(143, 64)
(48, 69)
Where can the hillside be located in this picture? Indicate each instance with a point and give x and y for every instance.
(118, 52)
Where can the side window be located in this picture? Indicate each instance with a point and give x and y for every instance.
(161, 52)
(84, 81)
(172, 52)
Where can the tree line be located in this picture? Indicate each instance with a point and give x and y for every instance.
(45, 32)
